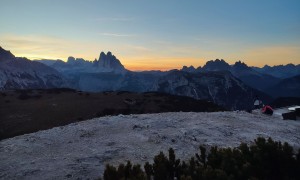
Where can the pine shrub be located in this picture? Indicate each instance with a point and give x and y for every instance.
(265, 159)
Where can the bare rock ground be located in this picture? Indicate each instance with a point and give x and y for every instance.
(81, 150)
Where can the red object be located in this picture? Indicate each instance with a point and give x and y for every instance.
(267, 110)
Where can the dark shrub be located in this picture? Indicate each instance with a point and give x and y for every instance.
(265, 159)
(110, 173)
(289, 116)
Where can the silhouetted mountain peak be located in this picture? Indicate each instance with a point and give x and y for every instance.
(109, 54)
(80, 60)
(101, 56)
(109, 61)
(216, 65)
(266, 66)
(241, 65)
(71, 60)
(5, 55)
(188, 69)
(290, 65)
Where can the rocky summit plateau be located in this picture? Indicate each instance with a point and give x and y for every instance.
(81, 150)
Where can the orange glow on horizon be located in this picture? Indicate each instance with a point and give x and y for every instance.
(150, 68)
(141, 58)
(256, 57)
(158, 63)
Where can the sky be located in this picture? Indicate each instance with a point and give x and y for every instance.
(154, 34)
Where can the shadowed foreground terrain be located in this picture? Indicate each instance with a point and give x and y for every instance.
(27, 111)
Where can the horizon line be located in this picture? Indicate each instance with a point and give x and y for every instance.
(136, 67)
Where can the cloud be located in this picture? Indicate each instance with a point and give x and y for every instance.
(29, 41)
(119, 19)
(138, 48)
(117, 35)
(39, 46)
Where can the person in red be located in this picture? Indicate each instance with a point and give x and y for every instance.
(267, 110)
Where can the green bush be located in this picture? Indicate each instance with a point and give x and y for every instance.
(265, 159)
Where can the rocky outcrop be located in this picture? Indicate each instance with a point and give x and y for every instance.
(188, 69)
(216, 65)
(109, 61)
(240, 66)
(106, 63)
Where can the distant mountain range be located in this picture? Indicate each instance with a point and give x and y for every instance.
(289, 87)
(105, 63)
(232, 86)
(280, 71)
(258, 78)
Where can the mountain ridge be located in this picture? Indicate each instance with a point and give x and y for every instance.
(289, 87)
(21, 73)
(108, 74)
(278, 71)
(220, 87)
(106, 63)
(252, 76)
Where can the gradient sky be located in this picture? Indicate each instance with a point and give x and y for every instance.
(154, 34)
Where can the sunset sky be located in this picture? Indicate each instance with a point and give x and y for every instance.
(154, 34)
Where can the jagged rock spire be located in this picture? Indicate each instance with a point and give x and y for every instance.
(109, 61)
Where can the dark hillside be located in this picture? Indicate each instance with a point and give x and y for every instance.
(26, 111)
(285, 101)
(289, 87)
